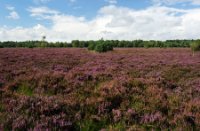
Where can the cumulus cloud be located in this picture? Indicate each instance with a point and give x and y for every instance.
(12, 13)
(111, 22)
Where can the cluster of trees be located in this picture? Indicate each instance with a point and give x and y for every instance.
(100, 46)
(33, 44)
(113, 43)
(136, 43)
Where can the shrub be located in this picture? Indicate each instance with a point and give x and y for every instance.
(109, 47)
(103, 47)
(195, 46)
(100, 47)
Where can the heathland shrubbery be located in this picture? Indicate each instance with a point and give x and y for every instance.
(71, 89)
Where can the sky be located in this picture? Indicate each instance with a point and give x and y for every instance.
(66, 20)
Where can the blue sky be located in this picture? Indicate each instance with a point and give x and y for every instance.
(65, 20)
(86, 8)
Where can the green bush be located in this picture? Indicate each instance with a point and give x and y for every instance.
(109, 47)
(195, 46)
(103, 47)
(100, 47)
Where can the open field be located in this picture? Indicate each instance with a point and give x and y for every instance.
(75, 89)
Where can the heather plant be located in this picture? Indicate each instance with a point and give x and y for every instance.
(73, 89)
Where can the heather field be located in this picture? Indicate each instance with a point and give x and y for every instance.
(77, 89)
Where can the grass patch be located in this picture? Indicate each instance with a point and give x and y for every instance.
(138, 105)
(1, 107)
(90, 125)
(137, 84)
(134, 74)
(117, 127)
(25, 90)
(176, 74)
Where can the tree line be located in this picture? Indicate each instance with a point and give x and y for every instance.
(33, 44)
(89, 44)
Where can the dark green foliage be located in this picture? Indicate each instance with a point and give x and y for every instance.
(24, 90)
(75, 43)
(91, 46)
(33, 44)
(195, 46)
(1, 46)
(102, 46)
(79, 44)
(109, 44)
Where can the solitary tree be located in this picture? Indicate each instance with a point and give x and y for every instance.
(43, 43)
(43, 38)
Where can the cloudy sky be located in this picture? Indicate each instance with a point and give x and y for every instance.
(66, 20)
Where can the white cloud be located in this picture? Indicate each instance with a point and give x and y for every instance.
(11, 8)
(12, 13)
(41, 1)
(171, 2)
(46, 1)
(111, 1)
(20, 33)
(111, 22)
(42, 12)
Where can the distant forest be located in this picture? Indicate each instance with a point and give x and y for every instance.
(86, 44)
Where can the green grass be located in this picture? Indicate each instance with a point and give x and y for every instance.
(1, 107)
(90, 125)
(176, 74)
(25, 90)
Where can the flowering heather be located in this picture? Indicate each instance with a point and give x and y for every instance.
(76, 89)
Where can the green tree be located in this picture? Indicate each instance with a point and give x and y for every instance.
(195, 46)
(75, 43)
(91, 46)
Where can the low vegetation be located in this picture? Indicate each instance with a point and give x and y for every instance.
(76, 89)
